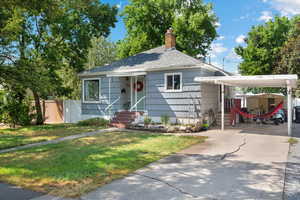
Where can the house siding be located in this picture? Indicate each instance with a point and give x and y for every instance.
(178, 105)
(93, 108)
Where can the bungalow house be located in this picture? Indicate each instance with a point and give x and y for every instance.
(156, 82)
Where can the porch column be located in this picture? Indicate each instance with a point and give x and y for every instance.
(222, 107)
(135, 93)
(290, 116)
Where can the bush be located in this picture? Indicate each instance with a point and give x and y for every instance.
(165, 119)
(147, 120)
(93, 122)
(15, 109)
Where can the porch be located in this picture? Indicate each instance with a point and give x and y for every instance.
(132, 92)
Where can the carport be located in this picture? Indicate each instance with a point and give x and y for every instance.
(288, 81)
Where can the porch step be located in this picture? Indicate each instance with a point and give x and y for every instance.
(118, 125)
(227, 119)
(124, 118)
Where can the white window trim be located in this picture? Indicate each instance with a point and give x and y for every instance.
(172, 74)
(83, 95)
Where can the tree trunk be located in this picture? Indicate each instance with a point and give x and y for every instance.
(39, 114)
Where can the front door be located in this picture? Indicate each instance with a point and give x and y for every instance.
(138, 92)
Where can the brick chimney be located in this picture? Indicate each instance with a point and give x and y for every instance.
(170, 40)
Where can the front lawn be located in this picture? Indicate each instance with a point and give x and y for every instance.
(72, 168)
(25, 135)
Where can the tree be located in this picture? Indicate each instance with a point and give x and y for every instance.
(101, 52)
(46, 36)
(263, 45)
(289, 56)
(146, 22)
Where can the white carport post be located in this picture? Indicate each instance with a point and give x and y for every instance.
(222, 107)
(289, 102)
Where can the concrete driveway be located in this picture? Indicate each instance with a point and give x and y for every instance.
(229, 166)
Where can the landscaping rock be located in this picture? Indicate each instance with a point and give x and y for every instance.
(182, 128)
(171, 129)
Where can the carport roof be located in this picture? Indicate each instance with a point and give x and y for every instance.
(253, 81)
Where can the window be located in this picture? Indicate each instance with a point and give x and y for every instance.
(91, 90)
(173, 82)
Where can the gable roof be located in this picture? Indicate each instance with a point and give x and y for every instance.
(156, 59)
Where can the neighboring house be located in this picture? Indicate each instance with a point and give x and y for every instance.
(156, 82)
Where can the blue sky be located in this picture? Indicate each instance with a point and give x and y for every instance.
(236, 17)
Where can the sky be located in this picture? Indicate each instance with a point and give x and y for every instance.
(236, 17)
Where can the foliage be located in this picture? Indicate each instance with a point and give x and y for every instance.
(292, 141)
(12, 137)
(289, 56)
(263, 45)
(41, 37)
(15, 109)
(165, 119)
(147, 120)
(146, 22)
(93, 122)
(101, 52)
(75, 167)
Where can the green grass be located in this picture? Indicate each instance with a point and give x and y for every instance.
(72, 168)
(30, 134)
(292, 141)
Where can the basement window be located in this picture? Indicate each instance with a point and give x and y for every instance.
(91, 90)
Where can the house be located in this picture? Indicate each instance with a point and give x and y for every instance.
(156, 82)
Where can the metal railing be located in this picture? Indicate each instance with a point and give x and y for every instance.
(110, 105)
(135, 105)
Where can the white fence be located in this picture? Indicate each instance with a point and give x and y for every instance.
(72, 112)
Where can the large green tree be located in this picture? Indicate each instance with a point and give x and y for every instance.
(289, 56)
(146, 21)
(38, 38)
(263, 45)
(101, 52)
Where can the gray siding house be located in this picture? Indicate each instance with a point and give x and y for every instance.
(156, 82)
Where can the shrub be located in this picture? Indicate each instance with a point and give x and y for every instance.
(292, 141)
(93, 122)
(165, 119)
(15, 109)
(147, 120)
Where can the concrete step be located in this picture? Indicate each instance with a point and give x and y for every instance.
(122, 121)
(118, 125)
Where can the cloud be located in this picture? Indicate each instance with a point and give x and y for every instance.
(240, 39)
(233, 57)
(217, 24)
(119, 5)
(286, 7)
(216, 49)
(221, 37)
(265, 16)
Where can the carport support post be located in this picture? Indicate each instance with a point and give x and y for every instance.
(222, 107)
(289, 102)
